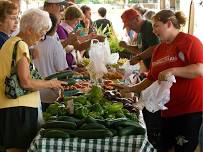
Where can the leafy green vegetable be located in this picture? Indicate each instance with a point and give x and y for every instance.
(46, 116)
(106, 31)
(81, 99)
(62, 111)
(81, 112)
(120, 114)
(98, 108)
(95, 114)
(95, 94)
(115, 107)
(131, 116)
(53, 108)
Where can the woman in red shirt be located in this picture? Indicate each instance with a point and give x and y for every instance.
(180, 55)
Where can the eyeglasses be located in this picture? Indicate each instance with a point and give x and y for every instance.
(61, 7)
(14, 18)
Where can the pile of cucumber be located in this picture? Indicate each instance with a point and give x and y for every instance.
(61, 75)
(89, 128)
(94, 117)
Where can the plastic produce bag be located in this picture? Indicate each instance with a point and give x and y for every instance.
(110, 58)
(98, 58)
(100, 55)
(40, 116)
(156, 95)
(107, 50)
(113, 58)
(129, 69)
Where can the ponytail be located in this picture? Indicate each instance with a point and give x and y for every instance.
(181, 18)
(178, 19)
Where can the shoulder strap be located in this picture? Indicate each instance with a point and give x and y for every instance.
(14, 54)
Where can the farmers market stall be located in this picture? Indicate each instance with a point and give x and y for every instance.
(94, 131)
(91, 117)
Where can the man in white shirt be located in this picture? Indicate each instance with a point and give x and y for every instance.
(51, 59)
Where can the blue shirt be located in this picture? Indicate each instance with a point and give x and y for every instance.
(3, 38)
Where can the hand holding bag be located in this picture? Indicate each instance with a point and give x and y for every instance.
(13, 89)
(156, 95)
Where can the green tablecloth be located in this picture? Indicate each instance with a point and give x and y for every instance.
(116, 144)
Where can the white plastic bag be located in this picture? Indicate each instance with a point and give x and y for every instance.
(129, 69)
(40, 116)
(156, 95)
(98, 59)
(113, 58)
(77, 56)
(107, 50)
(110, 58)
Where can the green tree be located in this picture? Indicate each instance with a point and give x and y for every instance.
(133, 1)
(82, 1)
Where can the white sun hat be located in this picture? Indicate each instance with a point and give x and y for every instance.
(63, 2)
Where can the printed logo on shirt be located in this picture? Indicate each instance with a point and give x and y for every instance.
(181, 140)
(164, 60)
(181, 56)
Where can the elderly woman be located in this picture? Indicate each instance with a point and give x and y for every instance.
(181, 55)
(18, 117)
(8, 20)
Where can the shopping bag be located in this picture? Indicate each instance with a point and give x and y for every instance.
(156, 95)
(97, 57)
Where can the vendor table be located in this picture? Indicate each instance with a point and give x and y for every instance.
(113, 144)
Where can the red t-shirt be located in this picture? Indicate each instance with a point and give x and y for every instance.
(186, 95)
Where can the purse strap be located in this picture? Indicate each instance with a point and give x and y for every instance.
(13, 62)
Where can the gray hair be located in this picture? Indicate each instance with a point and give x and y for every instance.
(149, 14)
(36, 19)
(139, 8)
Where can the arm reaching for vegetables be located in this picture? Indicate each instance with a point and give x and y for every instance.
(133, 49)
(136, 88)
(27, 82)
(146, 54)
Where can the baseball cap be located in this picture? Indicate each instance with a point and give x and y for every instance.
(62, 2)
(128, 15)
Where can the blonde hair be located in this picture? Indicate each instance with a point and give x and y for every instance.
(73, 12)
(36, 19)
(178, 18)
